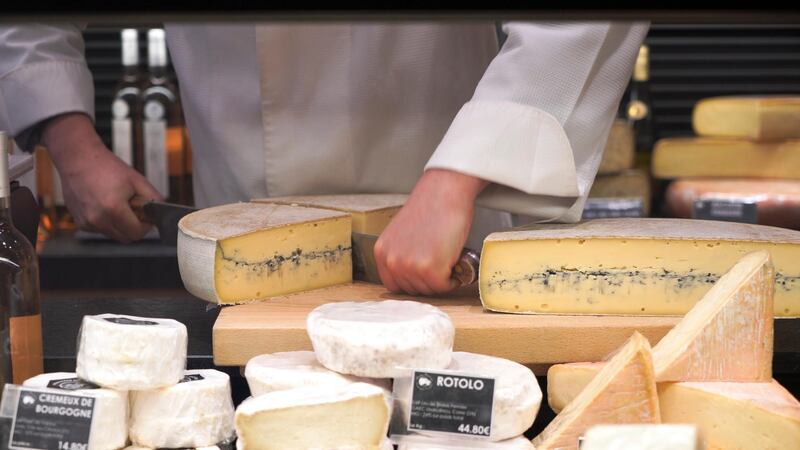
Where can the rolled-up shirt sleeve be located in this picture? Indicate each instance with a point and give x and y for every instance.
(43, 73)
(538, 121)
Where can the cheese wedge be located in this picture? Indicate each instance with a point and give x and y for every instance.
(371, 213)
(619, 149)
(628, 266)
(735, 416)
(719, 157)
(566, 381)
(623, 392)
(760, 118)
(634, 183)
(643, 437)
(248, 251)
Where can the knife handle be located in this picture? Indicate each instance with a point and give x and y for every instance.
(137, 204)
(466, 269)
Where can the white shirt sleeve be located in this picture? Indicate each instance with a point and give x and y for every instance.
(540, 116)
(43, 73)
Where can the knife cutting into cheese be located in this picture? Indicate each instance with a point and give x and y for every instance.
(164, 216)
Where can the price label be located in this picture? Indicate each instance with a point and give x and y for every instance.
(451, 403)
(606, 208)
(728, 210)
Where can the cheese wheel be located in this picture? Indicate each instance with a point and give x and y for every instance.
(634, 183)
(752, 117)
(131, 353)
(427, 443)
(110, 419)
(377, 339)
(197, 412)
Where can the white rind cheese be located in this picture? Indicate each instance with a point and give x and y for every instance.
(131, 353)
(426, 443)
(197, 412)
(642, 437)
(290, 370)
(110, 419)
(376, 339)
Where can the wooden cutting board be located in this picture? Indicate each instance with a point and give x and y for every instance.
(279, 324)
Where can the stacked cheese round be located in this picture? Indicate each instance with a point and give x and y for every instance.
(131, 353)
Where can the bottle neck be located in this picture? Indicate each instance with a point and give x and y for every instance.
(5, 210)
(158, 72)
(5, 183)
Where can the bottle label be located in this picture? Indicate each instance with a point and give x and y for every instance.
(122, 140)
(155, 147)
(27, 360)
(127, 321)
(71, 384)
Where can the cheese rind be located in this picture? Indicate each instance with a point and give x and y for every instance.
(618, 154)
(413, 442)
(351, 416)
(732, 158)
(751, 117)
(197, 412)
(566, 381)
(734, 416)
(376, 339)
(634, 183)
(642, 437)
(623, 392)
(628, 266)
(131, 353)
(248, 251)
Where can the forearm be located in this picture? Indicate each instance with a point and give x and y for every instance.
(72, 142)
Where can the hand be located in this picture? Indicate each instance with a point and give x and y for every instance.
(97, 185)
(418, 249)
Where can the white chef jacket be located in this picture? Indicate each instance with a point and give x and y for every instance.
(283, 109)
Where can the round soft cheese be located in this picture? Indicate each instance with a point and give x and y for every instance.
(427, 443)
(290, 370)
(131, 353)
(377, 339)
(110, 419)
(197, 412)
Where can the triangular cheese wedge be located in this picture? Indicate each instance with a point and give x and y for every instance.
(728, 334)
(623, 392)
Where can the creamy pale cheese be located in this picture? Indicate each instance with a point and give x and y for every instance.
(642, 437)
(428, 443)
(566, 381)
(751, 117)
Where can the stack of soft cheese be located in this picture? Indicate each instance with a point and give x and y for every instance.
(714, 369)
(748, 151)
(337, 397)
(135, 368)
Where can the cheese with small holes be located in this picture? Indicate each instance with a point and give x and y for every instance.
(749, 117)
(131, 353)
(352, 416)
(634, 183)
(418, 442)
(290, 370)
(642, 437)
(371, 213)
(377, 339)
(196, 412)
(777, 201)
(725, 158)
(628, 266)
(566, 381)
(619, 150)
(623, 392)
(110, 418)
(250, 251)
(734, 416)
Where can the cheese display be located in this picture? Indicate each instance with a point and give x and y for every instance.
(750, 117)
(196, 412)
(642, 437)
(377, 338)
(634, 183)
(566, 381)
(624, 391)
(777, 201)
(413, 442)
(371, 213)
(110, 418)
(131, 353)
(728, 335)
(290, 370)
(249, 251)
(734, 416)
(717, 157)
(618, 154)
(628, 266)
(349, 416)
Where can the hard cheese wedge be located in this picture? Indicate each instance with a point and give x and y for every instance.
(619, 151)
(628, 266)
(733, 416)
(719, 157)
(248, 251)
(371, 213)
(634, 183)
(623, 392)
(566, 381)
(761, 118)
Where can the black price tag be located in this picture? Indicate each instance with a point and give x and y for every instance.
(451, 403)
(606, 208)
(48, 419)
(727, 210)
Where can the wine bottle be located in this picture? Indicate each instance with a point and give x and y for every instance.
(125, 108)
(639, 108)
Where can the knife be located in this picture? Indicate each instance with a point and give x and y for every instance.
(164, 216)
(364, 267)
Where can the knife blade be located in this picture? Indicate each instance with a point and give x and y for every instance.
(164, 216)
(366, 269)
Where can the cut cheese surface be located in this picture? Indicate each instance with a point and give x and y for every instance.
(728, 334)
(249, 251)
(624, 391)
(371, 213)
(735, 416)
(717, 157)
(619, 149)
(566, 381)
(628, 266)
(759, 118)
(777, 201)
(643, 437)
(634, 183)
